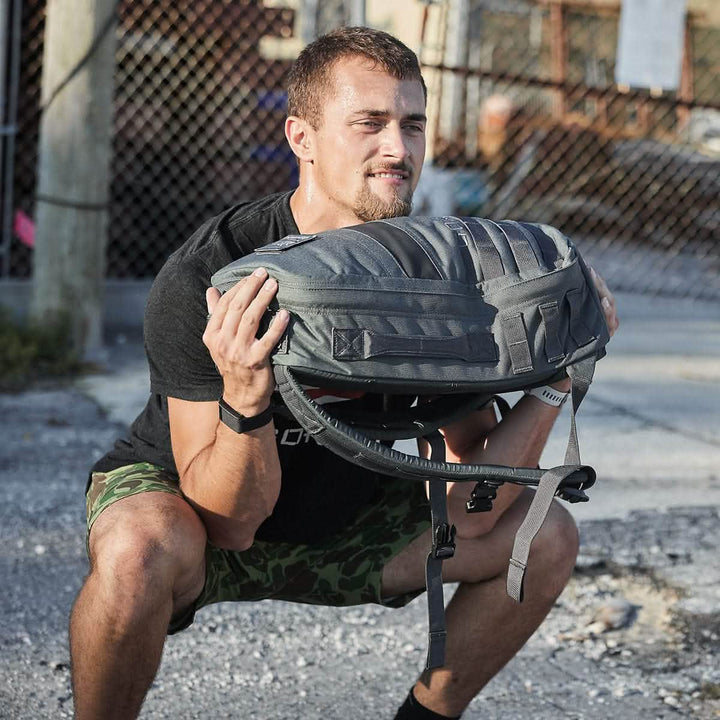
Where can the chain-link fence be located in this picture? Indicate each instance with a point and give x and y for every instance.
(199, 112)
(525, 122)
(531, 125)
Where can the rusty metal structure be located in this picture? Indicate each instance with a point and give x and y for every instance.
(533, 126)
(526, 121)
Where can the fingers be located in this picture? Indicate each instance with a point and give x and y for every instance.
(212, 296)
(243, 318)
(607, 301)
(237, 314)
(241, 358)
(236, 299)
(274, 333)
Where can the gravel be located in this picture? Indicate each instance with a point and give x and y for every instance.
(634, 635)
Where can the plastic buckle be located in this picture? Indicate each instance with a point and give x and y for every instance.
(481, 498)
(573, 494)
(444, 541)
(573, 489)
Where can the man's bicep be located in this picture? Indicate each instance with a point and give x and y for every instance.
(193, 426)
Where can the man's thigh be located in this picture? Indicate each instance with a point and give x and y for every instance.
(341, 570)
(136, 515)
(106, 489)
(476, 558)
(344, 569)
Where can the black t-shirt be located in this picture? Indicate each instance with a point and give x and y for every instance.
(320, 493)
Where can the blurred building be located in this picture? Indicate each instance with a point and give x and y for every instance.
(525, 120)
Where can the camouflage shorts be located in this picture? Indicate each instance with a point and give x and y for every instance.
(342, 569)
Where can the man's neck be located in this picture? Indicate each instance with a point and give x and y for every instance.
(313, 216)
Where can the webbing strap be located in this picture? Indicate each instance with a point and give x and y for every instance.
(539, 507)
(550, 313)
(488, 264)
(517, 343)
(363, 344)
(579, 331)
(525, 230)
(581, 375)
(443, 547)
(490, 260)
(403, 246)
(525, 256)
(500, 241)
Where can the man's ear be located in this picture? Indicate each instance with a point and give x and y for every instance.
(299, 135)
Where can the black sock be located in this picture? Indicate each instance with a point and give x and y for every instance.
(411, 709)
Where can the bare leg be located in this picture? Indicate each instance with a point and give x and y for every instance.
(485, 627)
(147, 563)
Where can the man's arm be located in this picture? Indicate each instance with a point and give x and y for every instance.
(232, 480)
(516, 441)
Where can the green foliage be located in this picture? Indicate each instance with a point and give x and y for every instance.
(29, 352)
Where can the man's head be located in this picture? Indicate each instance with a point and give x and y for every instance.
(356, 103)
(311, 80)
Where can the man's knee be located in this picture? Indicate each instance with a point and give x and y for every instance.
(554, 551)
(148, 545)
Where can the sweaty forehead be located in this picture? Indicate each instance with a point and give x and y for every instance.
(358, 84)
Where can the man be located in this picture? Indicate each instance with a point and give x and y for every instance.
(188, 512)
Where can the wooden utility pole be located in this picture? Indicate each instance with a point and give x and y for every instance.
(73, 169)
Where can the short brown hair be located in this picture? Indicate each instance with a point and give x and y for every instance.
(310, 77)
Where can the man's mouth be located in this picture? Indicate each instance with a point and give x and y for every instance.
(390, 174)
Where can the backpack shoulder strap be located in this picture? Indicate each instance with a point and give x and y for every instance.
(581, 375)
(569, 480)
(442, 548)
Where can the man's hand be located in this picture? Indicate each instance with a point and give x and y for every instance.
(607, 300)
(241, 357)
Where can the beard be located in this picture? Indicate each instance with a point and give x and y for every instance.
(369, 206)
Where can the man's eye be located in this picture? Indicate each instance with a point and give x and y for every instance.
(370, 123)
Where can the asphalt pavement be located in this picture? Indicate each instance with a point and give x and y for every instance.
(635, 634)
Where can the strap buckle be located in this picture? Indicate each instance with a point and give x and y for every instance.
(481, 498)
(443, 546)
(573, 494)
(572, 489)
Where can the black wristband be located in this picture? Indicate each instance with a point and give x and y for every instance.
(241, 424)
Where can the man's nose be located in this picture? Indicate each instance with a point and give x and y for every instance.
(394, 142)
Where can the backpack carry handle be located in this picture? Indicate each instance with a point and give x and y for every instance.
(357, 447)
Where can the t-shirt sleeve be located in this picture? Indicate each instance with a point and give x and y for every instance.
(175, 318)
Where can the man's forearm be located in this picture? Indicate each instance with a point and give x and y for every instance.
(517, 441)
(234, 484)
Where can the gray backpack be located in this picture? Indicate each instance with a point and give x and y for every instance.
(458, 309)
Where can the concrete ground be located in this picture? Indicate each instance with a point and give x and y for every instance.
(651, 423)
(635, 634)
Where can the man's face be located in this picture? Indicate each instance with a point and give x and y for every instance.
(370, 146)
